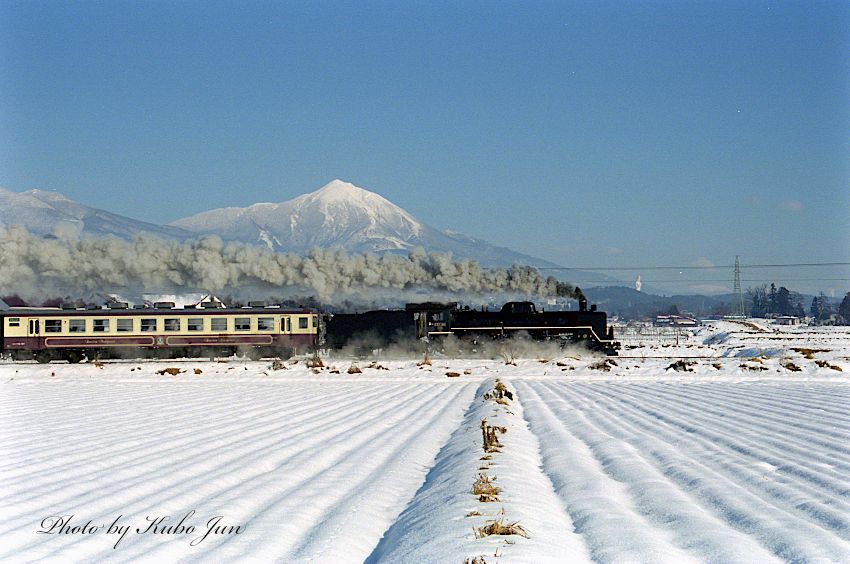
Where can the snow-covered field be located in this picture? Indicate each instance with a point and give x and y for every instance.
(742, 456)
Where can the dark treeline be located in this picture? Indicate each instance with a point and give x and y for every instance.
(770, 301)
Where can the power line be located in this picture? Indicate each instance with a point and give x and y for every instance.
(616, 268)
(748, 280)
(680, 280)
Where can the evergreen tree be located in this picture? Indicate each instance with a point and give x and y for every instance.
(772, 305)
(844, 310)
(814, 309)
(783, 302)
(821, 308)
(795, 299)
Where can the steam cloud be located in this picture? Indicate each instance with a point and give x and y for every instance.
(38, 267)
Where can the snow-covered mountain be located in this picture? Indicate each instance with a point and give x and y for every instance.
(341, 215)
(338, 215)
(43, 212)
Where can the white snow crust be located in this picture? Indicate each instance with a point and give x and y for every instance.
(739, 458)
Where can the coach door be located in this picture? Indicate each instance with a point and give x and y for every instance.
(286, 324)
(34, 328)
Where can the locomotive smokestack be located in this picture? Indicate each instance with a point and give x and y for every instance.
(582, 303)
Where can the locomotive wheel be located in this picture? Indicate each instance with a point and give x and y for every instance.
(73, 357)
(43, 357)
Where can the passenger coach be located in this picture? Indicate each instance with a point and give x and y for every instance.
(47, 334)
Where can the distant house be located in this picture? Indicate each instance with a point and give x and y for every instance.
(787, 320)
(675, 321)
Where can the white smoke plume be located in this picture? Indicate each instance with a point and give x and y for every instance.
(38, 267)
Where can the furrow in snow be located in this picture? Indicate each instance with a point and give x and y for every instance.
(776, 524)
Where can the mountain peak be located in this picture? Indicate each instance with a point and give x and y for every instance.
(341, 190)
(341, 215)
(337, 185)
(49, 196)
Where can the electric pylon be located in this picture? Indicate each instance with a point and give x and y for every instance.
(736, 288)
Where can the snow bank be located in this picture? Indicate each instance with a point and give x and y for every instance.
(435, 523)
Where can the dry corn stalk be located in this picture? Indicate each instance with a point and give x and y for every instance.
(489, 436)
(499, 527)
(315, 361)
(500, 392)
(483, 485)
(509, 358)
(825, 364)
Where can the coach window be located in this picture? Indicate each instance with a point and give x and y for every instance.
(218, 324)
(265, 323)
(148, 325)
(243, 323)
(315, 321)
(100, 325)
(14, 322)
(172, 324)
(77, 326)
(52, 325)
(124, 325)
(195, 324)
(302, 322)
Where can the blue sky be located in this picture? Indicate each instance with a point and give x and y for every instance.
(587, 133)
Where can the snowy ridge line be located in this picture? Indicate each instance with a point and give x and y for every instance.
(754, 499)
(769, 448)
(616, 526)
(133, 483)
(776, 429)
(81, 464)
(721, 484)
(743, 468)
(316, 519)
(437, 525)
(185, 413)
(760, 396)
(265, 466)
(741, 461)
(239, 482)
(832, 405)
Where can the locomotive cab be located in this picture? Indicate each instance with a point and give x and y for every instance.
(433, 319)
(519, 307)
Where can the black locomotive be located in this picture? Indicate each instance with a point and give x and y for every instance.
(434, 321)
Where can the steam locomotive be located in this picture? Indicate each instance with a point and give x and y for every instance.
(435, 321)
(259, 330)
